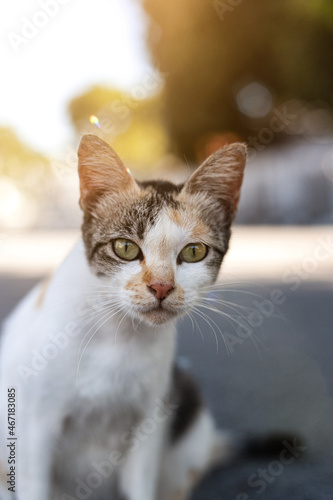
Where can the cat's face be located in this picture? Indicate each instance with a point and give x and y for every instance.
(157, 244)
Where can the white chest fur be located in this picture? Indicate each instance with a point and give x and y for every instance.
(84, 354)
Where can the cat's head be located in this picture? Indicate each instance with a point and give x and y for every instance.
(158, 244)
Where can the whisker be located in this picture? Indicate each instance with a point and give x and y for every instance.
(233, 283)
(247, 310)
(252, 336)
(222, 313)
(238, 291)
(104, 312)
(210, 320)
(67, 296)
(188, 312)
(207, 319)
(220, 288)
(92, 310)
(120, 321)
(232, 305)
(191, 319)
(94, 333)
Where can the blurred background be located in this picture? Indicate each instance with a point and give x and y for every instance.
(166, 83)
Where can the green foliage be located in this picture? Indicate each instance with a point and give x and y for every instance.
(209, 49)
(18, 161)
(133, 126)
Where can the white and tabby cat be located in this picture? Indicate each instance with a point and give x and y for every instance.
(102, 413)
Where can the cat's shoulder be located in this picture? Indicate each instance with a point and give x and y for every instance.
(49, 290)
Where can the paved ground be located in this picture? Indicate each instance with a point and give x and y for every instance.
(280, 378)
(277, 375)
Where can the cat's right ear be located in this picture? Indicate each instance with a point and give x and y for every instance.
(101, 171)
(220, 176)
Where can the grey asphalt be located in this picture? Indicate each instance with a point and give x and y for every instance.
(277, 376)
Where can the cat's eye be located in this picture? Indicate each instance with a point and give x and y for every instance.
(194, 252)
(126, 249)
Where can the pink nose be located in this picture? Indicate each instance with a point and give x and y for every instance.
(160, 290)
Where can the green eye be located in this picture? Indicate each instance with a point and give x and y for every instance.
(193, 252)
(126, 249)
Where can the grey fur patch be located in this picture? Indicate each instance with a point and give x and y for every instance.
(186, 396)
(85, 428)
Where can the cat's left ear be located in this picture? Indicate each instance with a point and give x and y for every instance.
(220, 176)
(101, 171)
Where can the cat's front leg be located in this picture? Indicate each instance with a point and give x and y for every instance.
(140, 473)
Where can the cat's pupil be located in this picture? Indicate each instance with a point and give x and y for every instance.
(193, 251)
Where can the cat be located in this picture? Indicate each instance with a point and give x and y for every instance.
(101, 411)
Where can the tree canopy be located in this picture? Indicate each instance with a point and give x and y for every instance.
(211, 49)
(131, 125)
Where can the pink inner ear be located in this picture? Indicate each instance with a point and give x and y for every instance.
(100, 171)
(221, 175)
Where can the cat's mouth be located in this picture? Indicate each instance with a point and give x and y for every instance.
(158, 314)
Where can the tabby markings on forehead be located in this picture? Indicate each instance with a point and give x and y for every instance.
(162, 187)
(131, 217)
